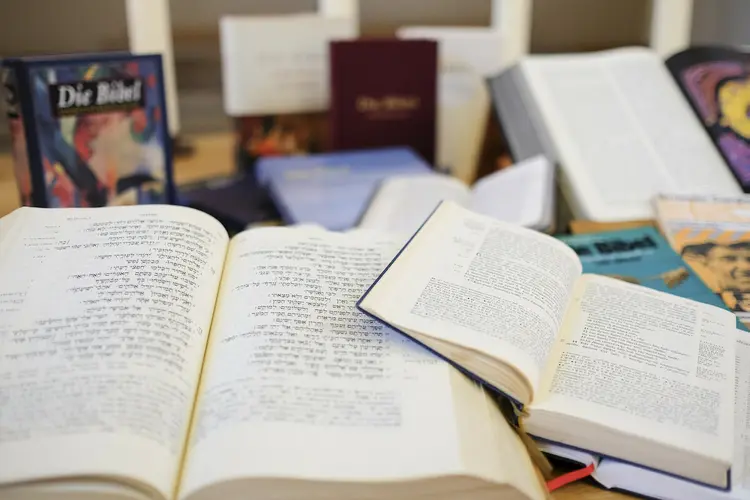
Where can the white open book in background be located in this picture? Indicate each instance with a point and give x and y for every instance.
(597, 363)
(617, 124)
(145, 355)
(522, 194)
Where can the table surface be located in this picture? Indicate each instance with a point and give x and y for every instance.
(214, 156)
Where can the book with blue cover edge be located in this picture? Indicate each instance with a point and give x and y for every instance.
(516, 404)
(89, 129)
(333, 189)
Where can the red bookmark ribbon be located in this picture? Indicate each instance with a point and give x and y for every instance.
(570, 477)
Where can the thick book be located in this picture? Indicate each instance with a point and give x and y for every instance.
(617, 124)
(89, 130)
(332, 189)
(384, 93)
(522, 194)
(618, 475)
(145, 355)
(644, 257)
(591, 361)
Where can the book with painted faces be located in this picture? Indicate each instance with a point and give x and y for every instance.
(590, 361)
(145, 355)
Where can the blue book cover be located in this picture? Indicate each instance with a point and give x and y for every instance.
(641, 256)
(332, 189)
(89, 130)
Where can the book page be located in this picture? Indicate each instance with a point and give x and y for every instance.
(623, 132)
(104, 315)
(402, 203)
(644, 363)
(299, 384)
(522, 194)
(652, 484)
(481, 284)
(278, 64)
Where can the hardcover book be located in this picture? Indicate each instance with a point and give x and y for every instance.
(146, 356)
(596, 363)
(642, 256)
(622, 131)
(89, 131)
(383, 93)
(333, 189)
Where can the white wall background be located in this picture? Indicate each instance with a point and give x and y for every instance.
(35, 26)
(54, 26)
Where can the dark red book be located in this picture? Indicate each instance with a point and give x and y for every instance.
(384, 93)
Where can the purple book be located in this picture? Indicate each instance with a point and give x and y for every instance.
(383, 93)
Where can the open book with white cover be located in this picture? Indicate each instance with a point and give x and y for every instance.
(618, 126)
(521, 194)
(144, 355)
(596, 363)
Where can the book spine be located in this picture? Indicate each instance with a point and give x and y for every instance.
(20, 153)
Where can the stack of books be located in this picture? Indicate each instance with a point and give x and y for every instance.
(414, 332)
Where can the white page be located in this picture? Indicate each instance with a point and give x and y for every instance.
(520, 194)
(463, 47)
(483, 285)
(104, 315)
(623, 132)
(308, 392)
(278, 64)
(403, 202)
(463, 108)
(300, 385)
(647, 482)
(647, 364)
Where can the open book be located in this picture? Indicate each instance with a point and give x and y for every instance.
(596, 363)
(614, 474)
(145, 355)
(618, 125)
(522, 194)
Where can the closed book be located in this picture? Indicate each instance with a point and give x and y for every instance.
(89, 130)
(383, 93)
(332, 189)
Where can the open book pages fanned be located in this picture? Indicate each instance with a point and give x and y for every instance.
(522, 194)
(145, 355)
(598, 364)
(617, 124)
(614, 474)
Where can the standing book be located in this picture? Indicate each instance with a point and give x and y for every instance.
(145, 355)
(384, 93)
(89, 131)
(592, 362)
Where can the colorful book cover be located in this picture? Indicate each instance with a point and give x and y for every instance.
(384, 93)
(643, 257)
(89, 131)
(712, 234)
(716, 82)
(262, 136)
(333, 189)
